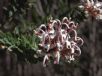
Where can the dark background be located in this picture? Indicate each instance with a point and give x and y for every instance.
(14, 13)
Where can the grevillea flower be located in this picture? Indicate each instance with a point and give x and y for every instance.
(93, 8)
(59, 40)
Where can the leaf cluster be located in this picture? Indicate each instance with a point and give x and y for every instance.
(23, 45)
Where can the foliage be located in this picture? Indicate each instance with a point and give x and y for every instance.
(24, 45)
(38, 11)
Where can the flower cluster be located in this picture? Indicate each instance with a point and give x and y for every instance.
(93, 8)
(59, 40)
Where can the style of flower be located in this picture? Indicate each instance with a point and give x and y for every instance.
(93, 8)
(59, 40)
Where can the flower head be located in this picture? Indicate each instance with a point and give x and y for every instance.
(92, 8)
(59, 40)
